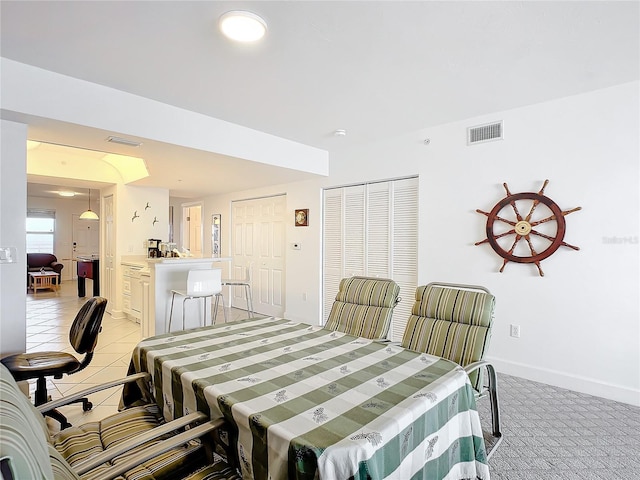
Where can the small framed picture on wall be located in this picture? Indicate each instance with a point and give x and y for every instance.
(302, 217)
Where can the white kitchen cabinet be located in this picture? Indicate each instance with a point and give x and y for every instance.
(132, 290)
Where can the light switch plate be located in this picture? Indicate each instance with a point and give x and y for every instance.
(8, 254)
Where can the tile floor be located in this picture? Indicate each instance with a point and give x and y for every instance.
(49, 318)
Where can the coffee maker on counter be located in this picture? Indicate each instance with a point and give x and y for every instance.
(153, 248)
(167, 249)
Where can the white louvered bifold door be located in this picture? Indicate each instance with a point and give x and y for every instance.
(379, 230)
(404, 251)
(372, 230)
(353, 229)
(333, 251)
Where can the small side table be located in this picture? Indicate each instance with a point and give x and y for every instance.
(39, 280)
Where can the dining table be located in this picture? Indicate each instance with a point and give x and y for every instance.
(305, 402)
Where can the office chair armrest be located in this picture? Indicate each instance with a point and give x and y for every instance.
(110, 453)
(45, 407)
(164, 446)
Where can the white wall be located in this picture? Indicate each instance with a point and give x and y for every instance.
(580, 322)
(26, 90)
(13, 211)
(303, 267)
(131, 234)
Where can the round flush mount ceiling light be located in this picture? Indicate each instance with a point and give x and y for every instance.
(242, 26)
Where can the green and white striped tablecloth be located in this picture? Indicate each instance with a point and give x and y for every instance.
(312, 403)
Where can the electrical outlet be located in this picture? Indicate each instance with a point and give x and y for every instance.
(515, 331)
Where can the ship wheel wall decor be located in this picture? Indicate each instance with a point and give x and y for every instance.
(528, 239)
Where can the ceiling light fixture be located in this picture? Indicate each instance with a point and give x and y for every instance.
(89, 214)
(341, 132)
(123, 141)
(242, 26)
(66, 193)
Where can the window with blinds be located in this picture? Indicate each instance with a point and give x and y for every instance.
(40, 230)
(372, 230)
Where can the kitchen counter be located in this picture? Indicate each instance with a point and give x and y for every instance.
(174, 260)
(157, 280)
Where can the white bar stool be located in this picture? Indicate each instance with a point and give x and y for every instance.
(202, 284)
(246, 283)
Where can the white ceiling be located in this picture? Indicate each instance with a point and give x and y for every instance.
(374, 68)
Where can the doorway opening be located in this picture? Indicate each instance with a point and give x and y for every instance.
(192, 230)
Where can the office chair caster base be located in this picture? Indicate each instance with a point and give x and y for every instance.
(59, 417)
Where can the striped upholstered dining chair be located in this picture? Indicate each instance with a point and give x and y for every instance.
(454, 322)
(364, 307)
(135, 444)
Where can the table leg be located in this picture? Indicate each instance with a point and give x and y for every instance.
(96, 284)
(81, 287)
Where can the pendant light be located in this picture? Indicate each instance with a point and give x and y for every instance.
(89, 214)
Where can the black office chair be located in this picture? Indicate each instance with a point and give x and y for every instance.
(83, 337)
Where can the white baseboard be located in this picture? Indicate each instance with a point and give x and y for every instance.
(563, 380)
(118, 314)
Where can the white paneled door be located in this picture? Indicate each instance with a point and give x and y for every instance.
(258, 242)
(108, 257)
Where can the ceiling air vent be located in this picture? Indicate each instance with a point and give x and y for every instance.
(484, 133)
(123, 141)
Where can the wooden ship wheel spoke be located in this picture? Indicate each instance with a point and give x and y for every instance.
(525, 228)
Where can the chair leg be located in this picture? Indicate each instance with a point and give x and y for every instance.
(207, 300)
(495, 410)
(224, 310)
(56, 415)
(41, 391)
(41, 397)
(247, 289)
(493, 439)
(171, 312)
(184, 300)
(493, 398)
